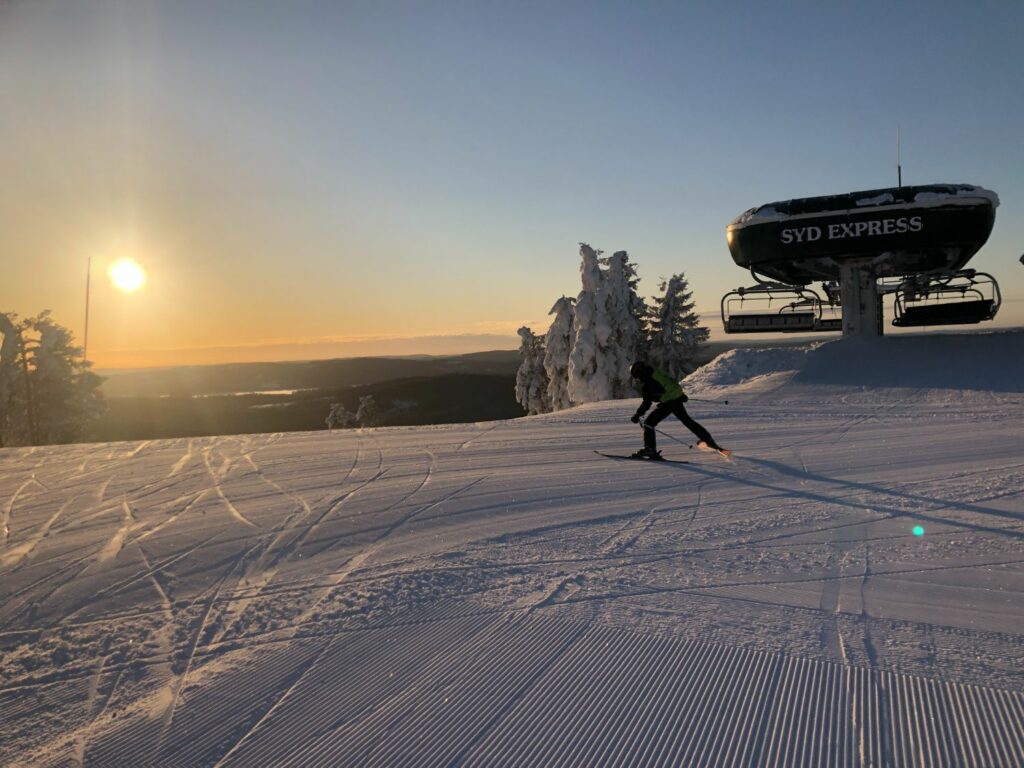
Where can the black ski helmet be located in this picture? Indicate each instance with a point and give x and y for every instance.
(639, 369)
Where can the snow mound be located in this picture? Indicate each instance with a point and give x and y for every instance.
(745, 366)
(970, 361)
(990, 362)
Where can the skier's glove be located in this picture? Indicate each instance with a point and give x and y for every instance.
(635, 418)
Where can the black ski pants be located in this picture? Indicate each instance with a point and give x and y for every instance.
(676, 408)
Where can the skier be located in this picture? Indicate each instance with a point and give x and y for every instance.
(658, 385)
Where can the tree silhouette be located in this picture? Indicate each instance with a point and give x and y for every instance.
(48, 392)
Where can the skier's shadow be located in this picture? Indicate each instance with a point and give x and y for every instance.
(926, 501)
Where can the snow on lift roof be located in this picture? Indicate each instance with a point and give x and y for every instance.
(926, 196)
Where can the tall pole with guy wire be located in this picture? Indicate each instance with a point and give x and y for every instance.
(85, 342)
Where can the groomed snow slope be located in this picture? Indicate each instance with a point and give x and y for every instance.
(497, 594)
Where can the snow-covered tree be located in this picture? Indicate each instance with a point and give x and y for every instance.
(676, 335)
(531, 378)
(48, 394)
(66, 392)
(368, 414)
(626, 312)
(557, 346)
(591, 364)
(14, 425)
(339, 417)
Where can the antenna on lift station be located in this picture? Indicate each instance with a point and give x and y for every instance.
(899, 166)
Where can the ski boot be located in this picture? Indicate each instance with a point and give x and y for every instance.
(644, 453)
(723, 452)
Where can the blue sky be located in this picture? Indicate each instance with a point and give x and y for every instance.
(296, 173)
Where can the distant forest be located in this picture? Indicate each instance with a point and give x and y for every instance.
(235, 399)
(450, 398)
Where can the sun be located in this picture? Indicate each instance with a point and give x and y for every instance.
(127, 275)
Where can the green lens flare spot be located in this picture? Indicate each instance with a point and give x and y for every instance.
(918, 530)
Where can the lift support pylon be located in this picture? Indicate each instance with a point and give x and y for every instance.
(861, 302)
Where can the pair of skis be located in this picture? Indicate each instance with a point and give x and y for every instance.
(640, 457)
(723, 453)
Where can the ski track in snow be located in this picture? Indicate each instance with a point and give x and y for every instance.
(422, 596)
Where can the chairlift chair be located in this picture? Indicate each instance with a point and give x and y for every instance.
(965, 298)
(799, 310)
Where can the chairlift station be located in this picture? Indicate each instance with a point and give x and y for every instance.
(913, 242)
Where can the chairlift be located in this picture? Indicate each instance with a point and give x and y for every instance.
(964, 298)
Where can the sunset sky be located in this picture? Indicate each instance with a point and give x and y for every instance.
(317, 179)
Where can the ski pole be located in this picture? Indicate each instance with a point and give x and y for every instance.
(704, 400)
(643, 424)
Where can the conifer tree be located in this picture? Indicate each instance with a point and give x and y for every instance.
(48, 394)
(14, 422)
(591, 364)
(627, 312)
(531, 378)
(676, 335)
(368, 414)
(339, 417)
(557, 347)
